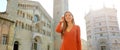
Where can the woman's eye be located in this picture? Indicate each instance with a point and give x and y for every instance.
(66, 15)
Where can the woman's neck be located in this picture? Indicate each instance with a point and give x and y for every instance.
(70, 24)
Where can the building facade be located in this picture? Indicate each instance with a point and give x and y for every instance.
(33, 26)
(102, 29)
(6, 32)
(60, 6)
(84, 44)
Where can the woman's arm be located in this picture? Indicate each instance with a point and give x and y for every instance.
(59, 27)
(79, 46)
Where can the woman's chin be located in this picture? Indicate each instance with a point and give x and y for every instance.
(68, 21)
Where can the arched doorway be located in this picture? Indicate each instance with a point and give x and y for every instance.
(102, 44)
(37, 43)
(48, 47)
(16, 45)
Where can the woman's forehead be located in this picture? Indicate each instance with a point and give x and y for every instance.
(68, 13)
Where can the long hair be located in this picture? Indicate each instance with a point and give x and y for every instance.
(65, 24)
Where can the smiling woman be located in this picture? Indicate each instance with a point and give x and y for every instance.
(3, 5)
(70, 32)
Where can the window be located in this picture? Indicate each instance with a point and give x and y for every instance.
(18, 12)
(44, 32)
(49, 26)
(4, 39)
(16, 23)
(16, 45)
(25, 26)
(48, 47)
(103, 47)
(44, 24)
(36, 7)
(112, 28)
(89, 31)
(31, 28)
(99, 24)
(89, 37)
(22, 25)
(116, 41)
(35, 46)
(113, 34)
(35, 18)
(30, 17)
(100, 29)
(23, 15)
(101, 34)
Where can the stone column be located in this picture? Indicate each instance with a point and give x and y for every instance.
(11, 37)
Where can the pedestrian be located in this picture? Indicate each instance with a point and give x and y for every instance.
(70, 32)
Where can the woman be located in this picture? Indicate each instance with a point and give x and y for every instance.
(70, 32)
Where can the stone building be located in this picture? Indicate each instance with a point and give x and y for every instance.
(7, 27)
(84, 44)
(33, 26)
(102, 29)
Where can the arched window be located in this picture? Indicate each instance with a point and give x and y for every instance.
(4, 39)
(16, 45)
(37, 43)
(36, 18)
(3, 5)
(48, 47)
(103, 47)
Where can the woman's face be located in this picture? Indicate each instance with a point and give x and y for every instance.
(68, 17)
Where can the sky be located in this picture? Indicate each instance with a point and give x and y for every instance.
(3, 5)
(79, 9)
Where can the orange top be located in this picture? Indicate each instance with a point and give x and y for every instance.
(71, 39)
